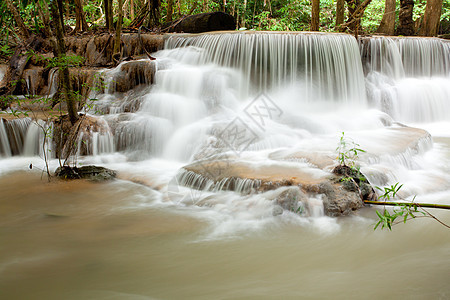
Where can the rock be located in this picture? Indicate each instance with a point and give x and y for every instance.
(277, 210)
(79, 137)
(93, 173)
(350, 185)
(291, 199)
(204, 22)
(338, 201)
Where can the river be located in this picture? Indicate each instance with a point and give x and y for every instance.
(146, 235)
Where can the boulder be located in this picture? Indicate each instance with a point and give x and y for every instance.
(212, 21)
(93, 173)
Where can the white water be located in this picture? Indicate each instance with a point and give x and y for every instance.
(161, 239)
(315, 86)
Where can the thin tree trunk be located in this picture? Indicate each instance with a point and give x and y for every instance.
(315, 10)
(116, 51)
(80, 23)
(19, 21)
(431, 18)
(56, 8)
(169, 10)
(108, 7)
(340, 13)
(406, 23)
(353, 20)
(153, 7)
(243, 14)
(387, 24)
(131, 9)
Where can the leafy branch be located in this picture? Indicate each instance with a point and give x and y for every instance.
(402, 210)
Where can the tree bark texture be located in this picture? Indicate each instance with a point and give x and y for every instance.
(116, 50)
(56, 7)
(204, 22)
(169, 10)
(353, 21)
(315, 11)
(431, 18)
(80, 22)
(406, 23)
(387, 24)
(154, 17)
(108, 8)
(340, 13)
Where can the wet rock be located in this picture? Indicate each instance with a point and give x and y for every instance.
(93, 173)
(277, 210)
(204, 22)
(133, 74)
(350, 185)
(79, 137)
(341, 202)
(291, 199)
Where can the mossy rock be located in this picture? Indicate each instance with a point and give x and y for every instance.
(93, 173)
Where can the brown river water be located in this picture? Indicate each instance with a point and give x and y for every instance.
(83, 240)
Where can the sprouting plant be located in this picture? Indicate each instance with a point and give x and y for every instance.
(348, 151)
(389, 192)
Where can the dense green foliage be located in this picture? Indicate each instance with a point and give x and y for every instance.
(257, 15)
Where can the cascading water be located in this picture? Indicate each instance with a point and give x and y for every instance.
(408, 78)
(288, 96)
(218, 145)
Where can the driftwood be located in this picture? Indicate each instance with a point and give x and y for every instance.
(213, 21)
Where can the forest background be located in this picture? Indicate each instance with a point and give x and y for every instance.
(371, 16)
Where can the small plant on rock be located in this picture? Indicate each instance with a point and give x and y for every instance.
(348, 152)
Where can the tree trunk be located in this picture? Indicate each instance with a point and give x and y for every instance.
(340, 12)
(406, 23)
(132, 9)
(353, 20)
(59, 49)
(116, 51)
(80, 23)
(108, 8)
(387, 24)
(315, 10)
(153, 7)
(169, 10)
(150, 10)
(431, 18)
(18, 19)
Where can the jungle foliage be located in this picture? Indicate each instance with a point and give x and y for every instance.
(286, 15)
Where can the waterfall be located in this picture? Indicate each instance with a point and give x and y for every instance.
(229, 118)
(4, 140)
(327, 66)
(408, 78)
(12, 136)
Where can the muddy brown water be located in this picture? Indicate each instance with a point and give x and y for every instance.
(81, 240)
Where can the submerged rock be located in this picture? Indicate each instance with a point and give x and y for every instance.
(93, 173)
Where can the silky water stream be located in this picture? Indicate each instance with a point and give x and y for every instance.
(148, 236)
